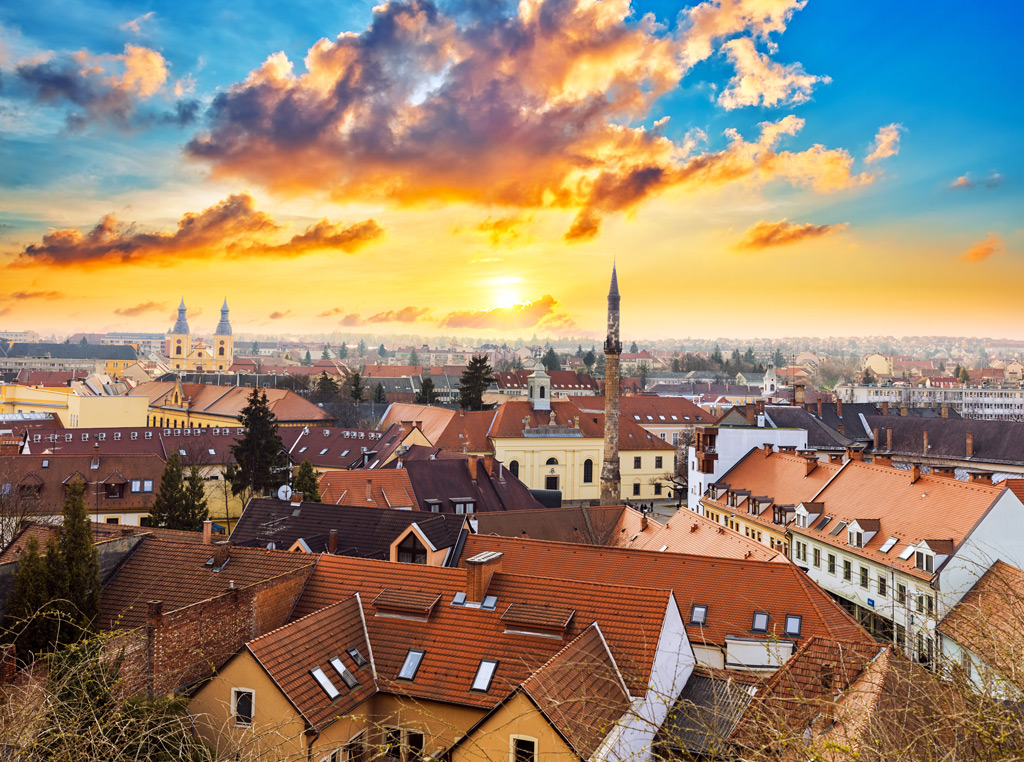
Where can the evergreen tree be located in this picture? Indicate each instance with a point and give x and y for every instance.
(735, 359)
(305, 482)
(964, 377)
(356, 390)
(748, 356)
(414, 359)
(259, 455)
(867, 377)
(362, 348)
(169, 504)
(84, 341)
(307, 360)
(255, 347)
(589, 358)
(378, 393)
(28, 622)
(643, 371)
(779, 360)
(195, 510)
(716, 356)
(599, 367)
(325, 389)
(342, 351)
(550, 361)
(427, 395)
(633, 348)
(77, 563)
(382, 351)
(326, 354)
(579, 351)
(474, 382)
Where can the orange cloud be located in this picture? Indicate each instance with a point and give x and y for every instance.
(405, 315)
(542, 109)
(887, 143)
(766, 234)
(332, 311)
(135, 25)
(278, 315)
(760, 81)
(351, 320)
(982, 250)
(545, 314)
(140, 309)
(233, 227)
(994, 180)
(21, 296)
(502, 227)
(961, 182)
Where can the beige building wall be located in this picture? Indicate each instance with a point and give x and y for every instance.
(518, 717)
(533, 454)
(74, 411)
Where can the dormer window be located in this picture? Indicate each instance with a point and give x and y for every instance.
(760, 623)
(793, 625)
(699, 614)
(924, 560)
(856, 539)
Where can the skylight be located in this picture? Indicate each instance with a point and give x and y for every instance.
(459, 599)
(760, 622)
(489, 602)
(346, 677)
(888, 545)
(823, 523)
(357, 657)
(839, 528)
(411, 664)
(484, 675)
(302, 449)
(907, 552)
(325, 682)
(324, 450)
(698, 614)
(793, 623)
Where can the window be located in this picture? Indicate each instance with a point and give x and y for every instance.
(856, 539)
(513, 468)
(113, 491)
(901, 593)
(113, 520)
(698, 614)
(463, 507)
(484, 675)
(658, 461)
(411, 664)
(346, 677)
(325, 682)
(357, 657)
(863, 577)
(847, 570)
(588, 471)
(636, 488)
(882, 585)
(147, 485)
(817, 558)
(793, 624)
(551, 462)
(657, 488)
(413, 746)
(831, 563)
(242, 705)
(760, 623)
(392, 743)
(524, 749)
(46, 463)
(636, 463)
(924, 560)
(411, 550)
(920, 603)
(929, 605)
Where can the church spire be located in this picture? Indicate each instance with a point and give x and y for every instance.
(610, 478)
(181, 325)
(224, 326)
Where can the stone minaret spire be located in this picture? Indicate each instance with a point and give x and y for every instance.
(610, 492)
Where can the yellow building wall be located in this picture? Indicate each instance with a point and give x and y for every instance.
(492, 741)
(74, 411)
(647, 475)
(532, 454)
(739, 521)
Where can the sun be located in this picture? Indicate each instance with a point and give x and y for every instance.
(505, 299)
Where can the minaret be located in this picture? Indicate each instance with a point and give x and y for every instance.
(179, 340)
(223, 341)
(610, 493)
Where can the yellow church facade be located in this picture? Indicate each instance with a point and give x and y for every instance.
(189, 355)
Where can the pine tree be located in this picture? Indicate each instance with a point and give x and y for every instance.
(362, 348)
(414, 359)
(28, 622)
(326, 354)
(169, 503)
(427, 395)
(195, 510)
(325, 389)
(779, 360)
(78, 564)
(305, 483)
(307, 360)
(356, 389)
(259, 455)
(255, 347)
(474, 382)
(633, 348)
(342, 351)
(378, 393)
(382, 351)
(550, 361)
(716, 356)
(589, 358)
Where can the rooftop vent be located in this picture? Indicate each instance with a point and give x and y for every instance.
(405, 604)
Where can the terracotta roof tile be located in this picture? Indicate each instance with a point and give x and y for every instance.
(378, 488)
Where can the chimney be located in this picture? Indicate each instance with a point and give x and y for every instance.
(207, 532)
(925, 442)
(841, 429)
(332, 542)
(819, 408)
(471, 464)
(643, 522)
(419, 425)
(885, 408)
(799, 396)
(970, 445)
(915, 473)
(888, 439)
(904, 411)
(768, 449)
(981, 477)
(221, 553)
(154, 613)
(882, 460)
(874, 438)
(839, 407)
(835, 457)
(945, 410)
(489, 464)
(811, 463)
(854, 453)
(96, 455)
(479, 570)
(369, 490)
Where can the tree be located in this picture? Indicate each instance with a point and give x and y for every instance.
(378, 393)
(867, 378)
(307, 360)
(589, 358)
(964, 377)
(326, 354)
(195, 509)
(643, 371)
(716, 356)
(325, 389)
(342, 351)
(356, 390)
(255, 347)
(76, 564)
(28, 623)
(382, 351)
(84, 341)
(427, 395)
(259, 454)
(633, 348)
(550, 361)
(306, 484)
(477, 376)
(414, 359)
(779, 359)
(748, 356)
(169, 504)
(362, 348)
(579, 351)
(942, 367)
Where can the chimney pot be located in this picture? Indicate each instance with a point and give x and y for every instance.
(970, 445)
(207, 532)
(479, 570)
(471, 463)
(221, 553)
(915, 473)
(332, 542)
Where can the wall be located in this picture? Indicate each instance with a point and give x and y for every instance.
(492, 741)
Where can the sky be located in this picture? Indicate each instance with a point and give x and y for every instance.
(754, 168)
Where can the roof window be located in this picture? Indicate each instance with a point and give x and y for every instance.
(212, 451)
(760, 623)
(484, 675)
(907, 553)
(346, 677)
(357, 657)
(324, 450)
(302, 449)
(325, 682)
(181, 452)
(46, 463)
(343, 453)
(459, 599)
(793, 624)
(698, 614)
(411, 665)
(838, 528)
(489, 602)
(888, 545)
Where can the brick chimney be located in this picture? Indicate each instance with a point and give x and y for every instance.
(810, 463)
(854, 453)
(882, 460)
(221, 553)
(970, 444)
(643, 522)
(981, 477)
(885, 408)
(839, 407)
(925, 442)
(479, 570)
(207, 532)
(489, 464)
(835, 457)
(944, 410)
(915, 473)
(888, 439)
(904, 411)
(332, 541)
(874, 437)
(799, 395)
(471, 464)
(819, 408)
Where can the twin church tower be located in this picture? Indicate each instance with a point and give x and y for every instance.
(193, 355)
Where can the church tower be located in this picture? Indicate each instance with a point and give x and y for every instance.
(610, 489)
(223, 348)
(538, 385)
(179, 341)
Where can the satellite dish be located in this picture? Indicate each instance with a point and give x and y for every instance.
(284, 492)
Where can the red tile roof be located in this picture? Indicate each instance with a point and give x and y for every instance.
(652, 410)
(228, 401)
(378, 488)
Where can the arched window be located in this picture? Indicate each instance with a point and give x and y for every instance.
(588, 471)
(220, 351)
(551, 462)
(513, 468)
(411, 551)
(542, 392)
(177, 350)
